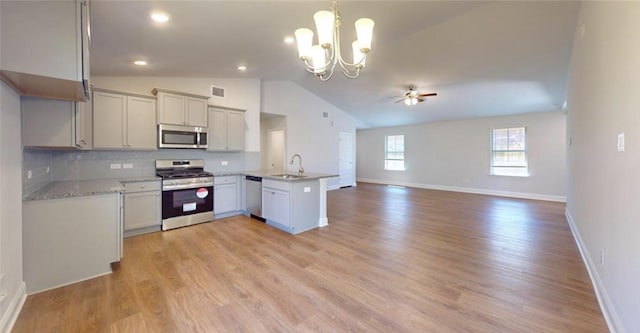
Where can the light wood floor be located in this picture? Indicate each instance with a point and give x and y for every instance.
(391, 260)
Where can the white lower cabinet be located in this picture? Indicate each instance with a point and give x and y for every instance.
(226, 196)
(69, 240)
(291, 206)
(275, 206)
(142, 207)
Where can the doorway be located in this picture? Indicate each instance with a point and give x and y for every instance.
(276, 150)
(346, 159)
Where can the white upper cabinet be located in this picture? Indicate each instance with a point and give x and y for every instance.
(123, 121)
(56, 124)
(175, 108)
(226, 129)
(45, 48)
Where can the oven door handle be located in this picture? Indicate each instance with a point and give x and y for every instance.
(185, 186)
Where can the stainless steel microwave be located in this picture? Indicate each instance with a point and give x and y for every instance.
(175, 136)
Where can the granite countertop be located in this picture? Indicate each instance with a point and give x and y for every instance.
(75, 188)
(266, 174)
(81, 188)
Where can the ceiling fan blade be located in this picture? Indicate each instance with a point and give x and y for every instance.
(400, 100)
(427, 95)
(420, 99)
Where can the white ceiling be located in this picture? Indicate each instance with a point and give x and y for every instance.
(482, 58)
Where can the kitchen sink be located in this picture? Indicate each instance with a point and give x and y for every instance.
(288, 176)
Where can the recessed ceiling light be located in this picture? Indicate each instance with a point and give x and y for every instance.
(140, 63)
(159, 17)
(242, 68)
(289, 40)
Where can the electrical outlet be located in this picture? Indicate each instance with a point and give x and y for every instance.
(602, 257)
(224, 163)
(127, 166)
(29, 174)
(621, 142)
(47, 169)
(116, 166)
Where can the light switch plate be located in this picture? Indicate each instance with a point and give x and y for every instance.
(621, 142)
(224, 163)
(116, 166)
(307, 189)
(127, 166)
(29, 174)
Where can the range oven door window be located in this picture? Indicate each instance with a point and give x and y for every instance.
(187, 201)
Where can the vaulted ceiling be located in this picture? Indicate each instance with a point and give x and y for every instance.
(482, 58)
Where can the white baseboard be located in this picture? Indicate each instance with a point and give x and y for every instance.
(11, 315)
(521, 195)
(608, 311)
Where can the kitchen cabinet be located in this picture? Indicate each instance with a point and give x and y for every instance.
(70, 239)
(291, 206)
(142, 207)
(56, 124)
(226, 129)
(177, 108)
(226, 200)
(45, 48)
(124, 121)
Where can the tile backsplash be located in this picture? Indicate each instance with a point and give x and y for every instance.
(94, 164)
(36, 169)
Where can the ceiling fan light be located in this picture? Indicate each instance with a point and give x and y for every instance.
(359, 58)
(318, 59)
(364, 31)
(325, 21)
(304, 39)
(411, 100)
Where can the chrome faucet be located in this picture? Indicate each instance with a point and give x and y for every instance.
(300, 168)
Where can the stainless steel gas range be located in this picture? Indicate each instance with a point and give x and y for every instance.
(187, 193)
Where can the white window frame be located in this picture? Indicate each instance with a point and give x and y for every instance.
(509, 171)
(390, 162)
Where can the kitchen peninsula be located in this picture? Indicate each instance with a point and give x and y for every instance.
(294, 202)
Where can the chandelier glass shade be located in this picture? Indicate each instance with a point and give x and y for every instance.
(321, 59)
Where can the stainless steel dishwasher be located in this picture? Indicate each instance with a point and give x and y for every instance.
(254, 197)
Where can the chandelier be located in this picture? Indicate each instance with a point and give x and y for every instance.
(321, 59)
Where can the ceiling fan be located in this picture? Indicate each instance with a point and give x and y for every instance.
(413, 97)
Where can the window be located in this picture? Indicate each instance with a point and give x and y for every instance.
(394, 152)
(509, 152)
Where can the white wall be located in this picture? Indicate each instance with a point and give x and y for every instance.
(239, 93)
(454, 155)
(308, 133)
(10, 208)
(604, 184)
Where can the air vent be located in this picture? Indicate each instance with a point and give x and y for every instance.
(217, 91)
(325, 115)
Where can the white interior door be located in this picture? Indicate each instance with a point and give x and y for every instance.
(276, 150)
(346, 159)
